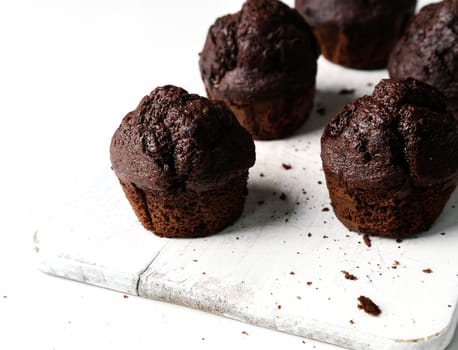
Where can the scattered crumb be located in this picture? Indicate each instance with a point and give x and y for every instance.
(292, 273)
(125, 296)
(283, 196)
(369, 84)
(261, 174)
(278, 307)
(299, 298)
(320, 182)
(428, 270)
(398, 240)
(352, 322)
(449, 305)
(395, 264)
(325, 209)
(324, 237)
(286, 166)
(195, 260)
(260, 202)
(237, 238)
(321, 110)
(368, 306)
(309, 283)
(349, 276)
(347, 91)
(309, 234)
(4, 297)
(367, 240)
(442, 233)
(244, 332)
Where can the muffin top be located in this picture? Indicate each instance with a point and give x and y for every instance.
(350, 12)
(400, 136)
(428, 51)
(174, 139)
(264, 49)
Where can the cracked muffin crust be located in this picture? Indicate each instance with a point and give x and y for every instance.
(182, 162)
(428, 50)
(261, 61)
(391, 159)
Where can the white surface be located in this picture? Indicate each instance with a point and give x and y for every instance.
(69, 72)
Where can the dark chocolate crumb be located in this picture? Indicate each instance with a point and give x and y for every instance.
(261, 202)
(369, 84)
(324, 237)
(286, 166)
(309, 283)
(261, 174)
(298, 297)
(443, 233)
(278, 307)
(367, 240)
(4, 297)
(349, 276)
(398, 240)
(368, 306)
(320, 182)
(449, 305)
(283, 196)
(125, 296)
(395, 264)
(309, 234)
(428, 270)
(352, 322)
(245, 333)
(195, 260)
(204, 273)
(347, 91)
(292, 273)
(325, 209)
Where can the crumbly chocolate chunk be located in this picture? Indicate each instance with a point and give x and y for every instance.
(349, 276)
(368, 306)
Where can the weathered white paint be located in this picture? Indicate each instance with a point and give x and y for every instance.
(257, 270)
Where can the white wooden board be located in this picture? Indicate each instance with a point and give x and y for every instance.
(280, 266)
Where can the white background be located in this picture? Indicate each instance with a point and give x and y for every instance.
(69, 71)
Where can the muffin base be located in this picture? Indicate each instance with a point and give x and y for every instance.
(273, 117)
(395, 214)
(186, 214)
(360, 47)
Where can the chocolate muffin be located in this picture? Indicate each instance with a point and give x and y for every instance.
(391, 159)
(182, 162)
(428, 50)
(357, 33)
(261, 61)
